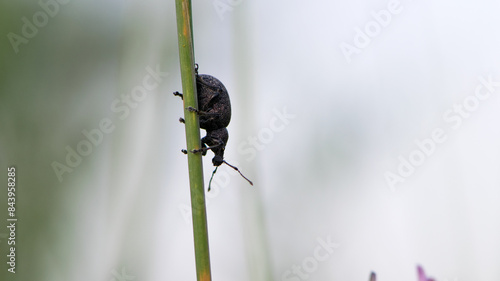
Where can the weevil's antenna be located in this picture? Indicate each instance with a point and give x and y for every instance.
(210, 182)
(213, 173)
(249, 181)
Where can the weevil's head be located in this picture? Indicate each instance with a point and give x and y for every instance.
(217, 160)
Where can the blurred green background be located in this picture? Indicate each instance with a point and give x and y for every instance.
(315, 129)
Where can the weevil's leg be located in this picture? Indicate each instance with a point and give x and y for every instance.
(200, 112)
(204, 145)
(205, 148)
(203, 151)
(182, 97)
(192, 109)
(178, 94)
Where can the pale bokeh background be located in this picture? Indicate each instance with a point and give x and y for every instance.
(122, 211)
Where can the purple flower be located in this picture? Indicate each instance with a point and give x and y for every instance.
(421, 275)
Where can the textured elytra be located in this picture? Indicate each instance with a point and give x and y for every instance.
(213, 101)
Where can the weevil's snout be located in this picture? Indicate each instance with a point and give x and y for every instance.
(217, 160)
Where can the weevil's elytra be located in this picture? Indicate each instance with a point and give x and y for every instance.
(214, 110)
(213, 99)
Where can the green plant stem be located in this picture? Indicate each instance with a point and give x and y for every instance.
(186, 56)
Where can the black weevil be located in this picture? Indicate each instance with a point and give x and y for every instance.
(214, 115)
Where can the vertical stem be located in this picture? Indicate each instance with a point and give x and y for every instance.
(186, 56)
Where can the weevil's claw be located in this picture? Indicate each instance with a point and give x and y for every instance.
(179, 94)
(192, 109)
(203, 150)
